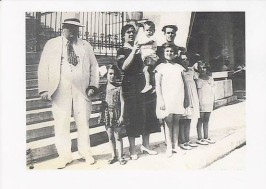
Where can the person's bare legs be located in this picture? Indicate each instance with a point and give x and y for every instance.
(119, 143)
(199, 129)
(206, 124)
(169, 134)
(147, 79)
(146, 145)
(187, 130)
(132, 148)
(176, 118)
(112, 144)
(182, 131)
(199, 126)
(206, 128)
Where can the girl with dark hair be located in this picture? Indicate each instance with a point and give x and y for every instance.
(170, 96)
(205, 86)
(192, 111)
(113, 114)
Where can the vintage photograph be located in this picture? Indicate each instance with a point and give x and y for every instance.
(135, 90)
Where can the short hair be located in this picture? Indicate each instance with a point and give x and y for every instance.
(182, 53)
(125, 28)
(150, 23)
(174, 27)
(170, 45)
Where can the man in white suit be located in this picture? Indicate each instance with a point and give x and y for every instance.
(68, 76)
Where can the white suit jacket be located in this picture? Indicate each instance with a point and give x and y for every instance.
(49, 66)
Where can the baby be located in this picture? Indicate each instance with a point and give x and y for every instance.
(148, 47)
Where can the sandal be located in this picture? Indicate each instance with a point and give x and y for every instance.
(122, 161)
(202, 142)
(111, 161)
(185, 146)
(210, 141)
(192, 144)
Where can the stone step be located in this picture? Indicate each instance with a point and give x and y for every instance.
(33, 83)
(225, 101)
(34, 76)
(32, 93)
(241, 94)
(39, 116)
(37, 103)
(31, 75)
(32, 68)
(36, 134)
(32, 58)
(49, 151)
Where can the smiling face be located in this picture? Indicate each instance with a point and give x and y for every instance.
(170, 34)
(130, 35)
(71, 32)
(169, 54)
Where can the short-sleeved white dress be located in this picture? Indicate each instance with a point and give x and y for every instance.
(206, 94)
(172, 89)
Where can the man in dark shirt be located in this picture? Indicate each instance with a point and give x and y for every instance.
(170, 34)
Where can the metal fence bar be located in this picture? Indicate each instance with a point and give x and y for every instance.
(50, 27)
(82, 33)
(60, 25)
(55, 24)
(98, 34)
(45, 27)
(105, 34)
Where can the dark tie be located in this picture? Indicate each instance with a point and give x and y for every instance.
(72, 57)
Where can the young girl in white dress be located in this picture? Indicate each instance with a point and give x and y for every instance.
(170, 96)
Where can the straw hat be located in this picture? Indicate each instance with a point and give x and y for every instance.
(73, 21)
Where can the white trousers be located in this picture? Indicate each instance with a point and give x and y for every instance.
(68, 97)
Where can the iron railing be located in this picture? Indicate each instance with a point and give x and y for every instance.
(101, 29)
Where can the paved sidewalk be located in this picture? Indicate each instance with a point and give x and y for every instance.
(226, 127)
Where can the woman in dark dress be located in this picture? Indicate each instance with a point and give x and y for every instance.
(139, 108)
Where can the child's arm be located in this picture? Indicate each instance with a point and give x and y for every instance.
(121, 119)
(158, 87)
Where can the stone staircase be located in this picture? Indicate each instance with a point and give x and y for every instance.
(40, 122)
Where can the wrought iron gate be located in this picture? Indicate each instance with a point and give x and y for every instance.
(102, 29)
